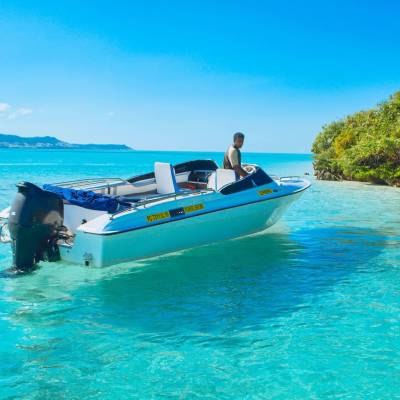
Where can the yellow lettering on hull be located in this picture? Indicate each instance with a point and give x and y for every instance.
(264, 192)
(166, 214)
(158, 216)
(194, 207)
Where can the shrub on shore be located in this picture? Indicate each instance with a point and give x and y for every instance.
(364, 146)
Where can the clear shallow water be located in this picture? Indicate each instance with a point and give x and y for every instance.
(309, 309)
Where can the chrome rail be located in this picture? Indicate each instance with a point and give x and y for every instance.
(143, 203)
(103, 185)
(90, 181)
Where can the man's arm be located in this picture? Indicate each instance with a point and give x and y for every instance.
(234, 159)
(240, 171)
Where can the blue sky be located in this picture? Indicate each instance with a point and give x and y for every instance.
(182, 75)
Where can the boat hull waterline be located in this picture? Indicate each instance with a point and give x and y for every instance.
(164, 238)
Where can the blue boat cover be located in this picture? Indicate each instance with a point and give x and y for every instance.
(88, 199)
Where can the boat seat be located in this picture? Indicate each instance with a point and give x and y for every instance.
(165, 178)
(221, 177)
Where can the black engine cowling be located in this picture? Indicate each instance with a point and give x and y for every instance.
(35, 220)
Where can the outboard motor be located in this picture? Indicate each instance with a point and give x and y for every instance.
(35, 220)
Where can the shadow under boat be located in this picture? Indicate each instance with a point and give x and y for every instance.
(240, 282)
(211, 289)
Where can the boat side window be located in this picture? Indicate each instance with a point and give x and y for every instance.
(258, 178)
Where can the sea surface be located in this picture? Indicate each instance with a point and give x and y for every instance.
(309, 309)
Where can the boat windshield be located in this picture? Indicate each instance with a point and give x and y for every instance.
(257, 178)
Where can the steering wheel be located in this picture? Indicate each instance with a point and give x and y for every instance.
(249, 168)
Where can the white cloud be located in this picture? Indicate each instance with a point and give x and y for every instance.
(20, 112)
(4, 107)
(24, 111)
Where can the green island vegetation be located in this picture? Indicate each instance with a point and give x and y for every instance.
(364, 146)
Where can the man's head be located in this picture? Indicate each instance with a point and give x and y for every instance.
(238, 139)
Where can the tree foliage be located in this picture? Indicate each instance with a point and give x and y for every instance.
(364, 146)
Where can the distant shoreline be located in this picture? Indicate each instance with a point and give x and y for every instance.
(8, 141)
(52, 143)
(104, 147)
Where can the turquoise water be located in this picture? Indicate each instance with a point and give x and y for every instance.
(308, 310)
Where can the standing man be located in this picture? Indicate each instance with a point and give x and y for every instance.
(233, 157)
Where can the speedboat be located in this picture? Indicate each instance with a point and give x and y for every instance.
(105, 221)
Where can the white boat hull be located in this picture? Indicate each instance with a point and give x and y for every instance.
(104, 221)
(106, 249)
